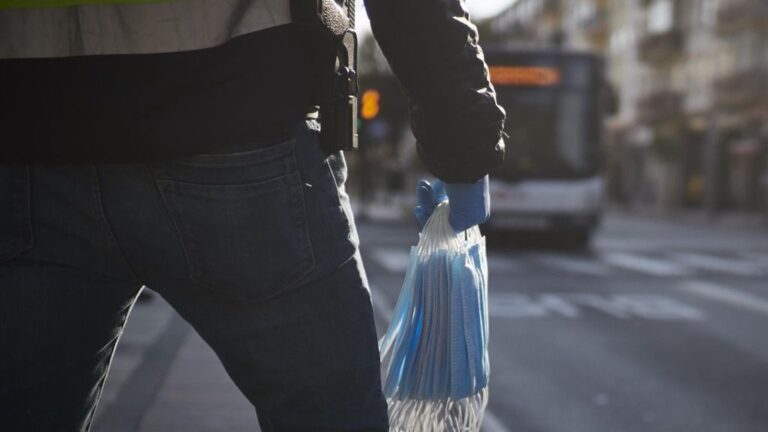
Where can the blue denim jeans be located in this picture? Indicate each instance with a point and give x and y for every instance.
(257, 250)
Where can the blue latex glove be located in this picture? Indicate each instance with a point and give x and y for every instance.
(470, 202)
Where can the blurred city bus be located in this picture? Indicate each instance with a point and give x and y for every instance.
(551, 182)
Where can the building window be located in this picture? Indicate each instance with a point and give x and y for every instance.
(621, 39)
(709, 10)
(660, 16)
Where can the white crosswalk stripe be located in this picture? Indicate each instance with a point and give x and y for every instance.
(504, 264)
(491, 423)
(394, 260)
(723, 294)
(759, 258)
(662, 264)
(644, 264)
(572, 264)
(717, 264)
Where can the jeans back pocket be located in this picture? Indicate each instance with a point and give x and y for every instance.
(241, 218)
(15, 217)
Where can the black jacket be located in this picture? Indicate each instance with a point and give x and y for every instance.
(433, 49)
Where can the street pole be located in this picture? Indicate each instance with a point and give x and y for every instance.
(712, 165)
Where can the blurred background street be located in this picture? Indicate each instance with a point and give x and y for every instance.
(629, 234)
(659, 327)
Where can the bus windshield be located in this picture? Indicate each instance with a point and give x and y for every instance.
(553, 118)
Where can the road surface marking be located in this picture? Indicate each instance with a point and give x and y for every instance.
(639, 305)
(381, 305)
(573, 264)
(758, 257)
(491, 423)
(727, 295)
(394, 260)
(523, 306)
(138, 392)
(503, 264)
(656, 267)
(719, 264)
(571, 305)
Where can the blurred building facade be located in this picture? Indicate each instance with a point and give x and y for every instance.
(692, 80)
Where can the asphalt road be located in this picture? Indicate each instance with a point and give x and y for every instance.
(662, 326)
(659, 327)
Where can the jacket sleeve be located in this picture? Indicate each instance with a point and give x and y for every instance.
(433, 49)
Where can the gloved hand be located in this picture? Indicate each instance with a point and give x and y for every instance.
(470, 202)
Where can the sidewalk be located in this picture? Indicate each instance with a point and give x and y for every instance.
(165, 378)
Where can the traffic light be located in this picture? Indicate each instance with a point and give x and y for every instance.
(371, 107)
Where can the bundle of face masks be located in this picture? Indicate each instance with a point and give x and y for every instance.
(435, 352)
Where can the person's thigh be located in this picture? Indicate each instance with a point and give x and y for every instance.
(307, 359)
(274, 284)
(58, 330)
(64, 297)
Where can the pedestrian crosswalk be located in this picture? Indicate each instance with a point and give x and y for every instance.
(662, 263)
(740, 267)
(756, 257)
(728, 295)
(573, 264)
(645, 264)
(391, 259)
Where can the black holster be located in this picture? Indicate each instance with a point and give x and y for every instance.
(335, 62)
